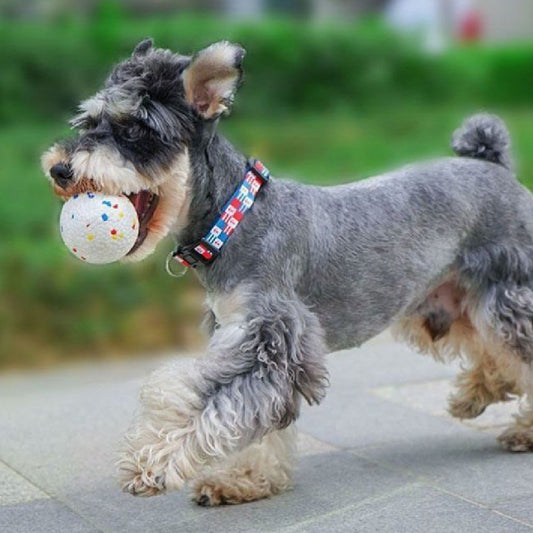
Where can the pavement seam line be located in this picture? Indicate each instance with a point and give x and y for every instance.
(334, 448)
(519, 520)
(399, 490)
(51, 496)
(480, 505)
(354, 506)
(423, 480)
(25, 478)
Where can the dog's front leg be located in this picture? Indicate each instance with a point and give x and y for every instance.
(251, 384)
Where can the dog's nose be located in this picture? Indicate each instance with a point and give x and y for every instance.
(62, 174)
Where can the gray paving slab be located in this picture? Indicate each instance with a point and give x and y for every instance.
(404, 463)
(16, 489)
(520, 507)
(432, 397)
(79, 374)
(323, 482)
(413, 509)
(353, 415)
(66, 439)
(383, 362)
(470, 464)
(42, 516)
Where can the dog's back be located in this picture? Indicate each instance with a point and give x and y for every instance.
(384, 243)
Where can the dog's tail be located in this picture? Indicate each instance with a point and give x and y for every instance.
(485, 137)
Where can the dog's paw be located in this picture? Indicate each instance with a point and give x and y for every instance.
(140, 486)
(239, 485)
(140, 477)
(208, 494)
(462, 408)
(211, 492)
(517, 439)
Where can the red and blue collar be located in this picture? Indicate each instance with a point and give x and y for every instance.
(207, 249)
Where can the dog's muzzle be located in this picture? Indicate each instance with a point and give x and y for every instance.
(62, 174)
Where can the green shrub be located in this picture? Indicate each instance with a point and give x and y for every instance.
(356, 99)
(47, 68)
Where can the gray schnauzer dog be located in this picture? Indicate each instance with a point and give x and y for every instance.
(442, 251)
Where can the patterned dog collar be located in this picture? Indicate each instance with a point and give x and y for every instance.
(207, 249)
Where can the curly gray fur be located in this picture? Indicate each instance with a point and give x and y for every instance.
(485, 137)
(495, 263)
(499, 278)
(252, 383)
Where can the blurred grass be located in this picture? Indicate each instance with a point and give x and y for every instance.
(291, 65)
(337, 147)
(321, 104)
(52, 307)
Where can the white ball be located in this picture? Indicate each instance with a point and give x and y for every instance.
(99, 228)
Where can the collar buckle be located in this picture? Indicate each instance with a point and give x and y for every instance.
(193, 255)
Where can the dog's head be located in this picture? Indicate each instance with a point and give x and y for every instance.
(134, 136)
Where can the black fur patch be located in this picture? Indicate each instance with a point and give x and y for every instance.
(160, 122)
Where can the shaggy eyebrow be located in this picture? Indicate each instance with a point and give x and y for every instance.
(82, 119)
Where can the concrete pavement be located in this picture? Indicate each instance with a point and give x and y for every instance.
(379, 455)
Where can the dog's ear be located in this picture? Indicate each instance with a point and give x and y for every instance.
(212, 78)
(143, 47)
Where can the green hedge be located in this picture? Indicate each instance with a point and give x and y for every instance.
(46, 68)
(53, 307)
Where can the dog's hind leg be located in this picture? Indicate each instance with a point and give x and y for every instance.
(479, 385)
(441, 326)
(261, 470)
(510, 307)
(499, 281)
(518, 437)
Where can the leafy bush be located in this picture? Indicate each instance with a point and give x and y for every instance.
(46, 68)
(386, 102)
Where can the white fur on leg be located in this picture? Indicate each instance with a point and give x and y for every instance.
(248, 387)
(261, 470)
(161, 449)
(173, 437)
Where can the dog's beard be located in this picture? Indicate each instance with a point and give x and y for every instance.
(161, 202)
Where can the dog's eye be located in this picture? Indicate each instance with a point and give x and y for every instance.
(134, 132)
(90, 123)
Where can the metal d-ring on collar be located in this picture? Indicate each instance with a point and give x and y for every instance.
(171, 260)
(206, 250)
